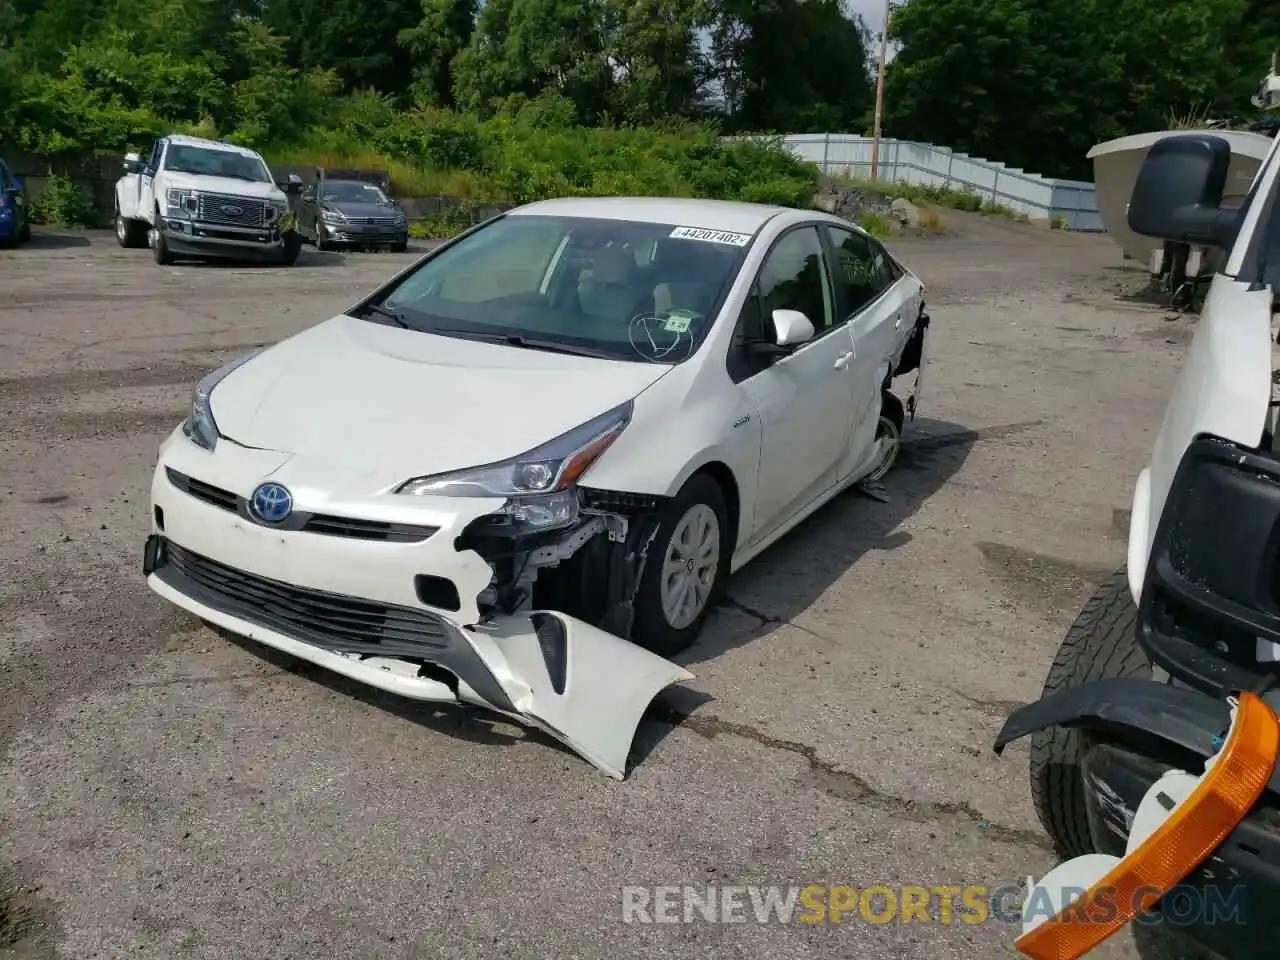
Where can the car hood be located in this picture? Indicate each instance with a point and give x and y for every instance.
(398, 403)
(228, 185)
(352, 209)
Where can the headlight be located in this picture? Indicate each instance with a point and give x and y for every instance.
(180, 203)
(332, 216)
(538, 485)
(199, 427)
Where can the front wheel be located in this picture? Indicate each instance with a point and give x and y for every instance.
(159, 246)
(24, 235)
(1101, 644)
(686, 565)
(292, 247)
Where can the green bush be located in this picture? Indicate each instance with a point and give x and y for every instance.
(531, 152)
(63, 203)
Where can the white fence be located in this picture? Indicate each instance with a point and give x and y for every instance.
(904, 161)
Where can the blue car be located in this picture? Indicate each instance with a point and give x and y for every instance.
(15, 212)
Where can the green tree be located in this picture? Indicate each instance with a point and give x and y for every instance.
(789, 66)
(434, 42)
(1036, 83)
(356, 39)
(522, 48)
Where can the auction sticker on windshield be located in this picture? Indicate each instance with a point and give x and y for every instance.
(711, 236)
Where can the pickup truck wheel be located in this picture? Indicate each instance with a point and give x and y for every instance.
(159, 247)
(130, 233)
(686, 566)
(1101, 644)
(292, 247)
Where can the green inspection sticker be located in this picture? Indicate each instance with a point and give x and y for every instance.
(679, 321)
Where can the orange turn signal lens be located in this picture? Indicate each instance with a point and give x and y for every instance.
(1195, 829)
(585, 457)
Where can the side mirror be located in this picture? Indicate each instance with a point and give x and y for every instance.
(132, 163)
(1178, 193)
(293, 187)
(791, 328)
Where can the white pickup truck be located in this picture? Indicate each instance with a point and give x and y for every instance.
(204, 198)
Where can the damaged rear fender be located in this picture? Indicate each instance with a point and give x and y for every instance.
(583, 686)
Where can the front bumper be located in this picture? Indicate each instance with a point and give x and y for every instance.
(1142, 729)
(194, 238)
(340, 584)
(364, 233)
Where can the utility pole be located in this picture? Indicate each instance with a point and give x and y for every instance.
(884, 46)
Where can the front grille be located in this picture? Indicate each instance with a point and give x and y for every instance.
(328, 620)
(206, 492)
(320, 523)
(367, 529)
(375, 221)
(233, 211)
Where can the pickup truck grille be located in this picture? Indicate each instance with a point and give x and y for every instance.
(232, 211)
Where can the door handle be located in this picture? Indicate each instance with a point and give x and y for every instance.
(842, 361)
(897, 321)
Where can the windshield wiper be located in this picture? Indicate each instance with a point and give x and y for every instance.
(524, 343)
(393, 315)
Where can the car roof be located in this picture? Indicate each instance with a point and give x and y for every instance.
(182, 140)
(724, 215)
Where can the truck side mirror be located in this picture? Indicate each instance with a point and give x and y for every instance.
(1178, 193)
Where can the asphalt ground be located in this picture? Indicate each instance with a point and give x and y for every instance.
(168, 792)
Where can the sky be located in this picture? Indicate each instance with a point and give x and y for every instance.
(871, 11)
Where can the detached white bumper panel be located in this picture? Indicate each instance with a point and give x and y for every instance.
(584, 687)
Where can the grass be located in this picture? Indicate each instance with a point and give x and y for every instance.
(407, 180)
(950, 198)
(875, 224)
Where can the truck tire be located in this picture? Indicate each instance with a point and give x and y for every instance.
(159, 247)
(130, 233)
(1101, 644)
(292, 247)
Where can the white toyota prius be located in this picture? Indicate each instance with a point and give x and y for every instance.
(516, 475)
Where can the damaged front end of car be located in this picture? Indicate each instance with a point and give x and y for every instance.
(521, 604)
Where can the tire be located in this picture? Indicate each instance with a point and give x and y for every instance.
(892, 418)
(1101, 644)
(159, 246)
(24, 235)
(292, 247)
(399, 247)
(699, 501)
(130, 233)
(321, 243)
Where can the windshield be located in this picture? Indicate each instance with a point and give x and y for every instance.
(348, 192)
(181, 158)
(610, 288)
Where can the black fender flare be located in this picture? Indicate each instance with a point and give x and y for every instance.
(1146, 716)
